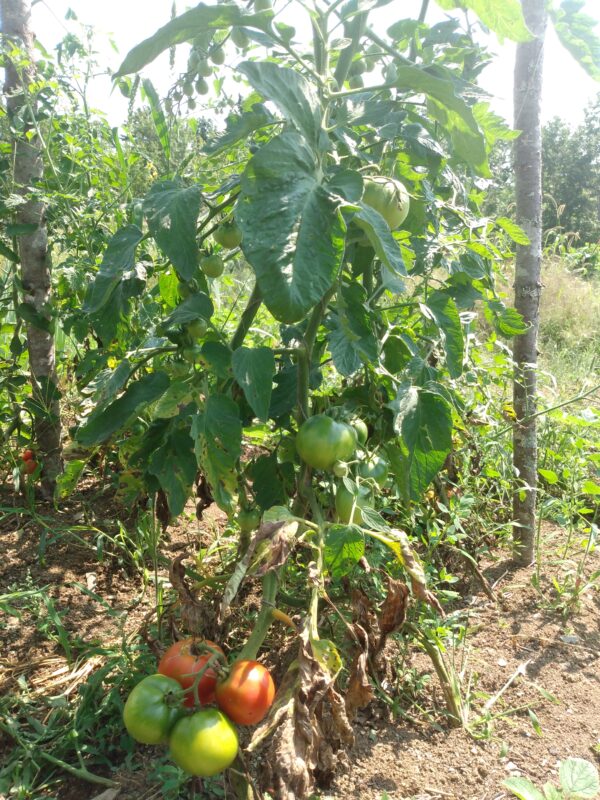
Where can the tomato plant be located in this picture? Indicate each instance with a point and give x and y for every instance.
(247, 693)
(321, 441)
(204, 743)
(152, 708)
(328, 313)
(183, 661)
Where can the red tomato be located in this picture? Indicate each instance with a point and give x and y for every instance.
(247, 693)
(27, 455)
(30, 466)
(183, 660)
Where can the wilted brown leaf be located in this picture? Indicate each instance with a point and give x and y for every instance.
(270, 536)
(194, 614)
(423, 593)
(393, 610)
(359, 692)
(282, 537)
(312, 728)
(364, 614)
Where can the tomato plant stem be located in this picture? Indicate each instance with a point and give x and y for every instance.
(82, 774)
(264, 619)
(247, 318)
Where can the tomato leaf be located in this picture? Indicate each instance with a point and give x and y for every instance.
(118, 258)
(172, 210)
(381, 238)
(240, 127)
(576, 33)
(444, 311)
(101, 425)
(253, 369)
(516, 233)
(158, 117)
(174, 465)
(188, 26)
(352, 340)
(294, 234)
(424, 419)
(67, 480)
(344, 547)
(268, 477)
(291, 93)
(217, 432)
(194, 306)
(450, 110)
(504, 18)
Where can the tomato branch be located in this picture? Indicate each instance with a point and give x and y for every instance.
(263, 621)
(247, 318)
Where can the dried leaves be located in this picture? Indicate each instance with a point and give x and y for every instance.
(194, 613)
(268, 550)
(310, 726)
(370, 631)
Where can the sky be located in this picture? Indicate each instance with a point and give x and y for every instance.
(567, 88)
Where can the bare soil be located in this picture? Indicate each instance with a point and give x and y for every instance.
(521, 656)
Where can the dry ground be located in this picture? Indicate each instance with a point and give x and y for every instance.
(400, 758)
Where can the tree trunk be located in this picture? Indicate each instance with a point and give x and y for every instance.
(33, 246)
(528, 185)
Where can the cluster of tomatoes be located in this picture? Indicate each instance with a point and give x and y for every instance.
(326, 444)
(193, 702)
(29, 462)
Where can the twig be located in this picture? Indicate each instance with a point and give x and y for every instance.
(520, 670)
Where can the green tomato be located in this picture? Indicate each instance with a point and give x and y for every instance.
(340, 469)
(356, 82)
(248, 519)
(204, 743)
(188, 89)
(212, 266)
(217, 56)
(240, 38)
(360, 428)
(197, 329)
(202, 86)
(349, 506)
(357, 67)
(375, 468)
(387, 196)
(193, 355)
(152, 709)
(204, 69)
(228, 235)
(321, 441)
